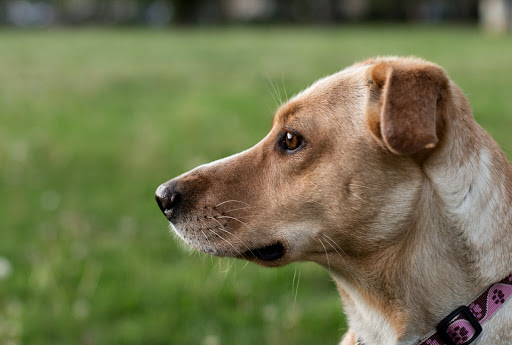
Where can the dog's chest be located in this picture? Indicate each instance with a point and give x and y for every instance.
(367, 321)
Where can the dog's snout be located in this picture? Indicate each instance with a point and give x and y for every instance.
(167, 197)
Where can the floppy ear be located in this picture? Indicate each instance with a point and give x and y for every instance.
(404, 108)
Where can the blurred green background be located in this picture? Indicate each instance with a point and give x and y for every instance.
(93, 120)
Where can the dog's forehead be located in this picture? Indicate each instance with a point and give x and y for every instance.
(320, 92)
(350, 75)
(287, 111)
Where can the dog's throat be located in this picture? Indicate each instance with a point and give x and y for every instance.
(269, 253)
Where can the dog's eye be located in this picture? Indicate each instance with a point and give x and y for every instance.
(289, 142)
(292, 141)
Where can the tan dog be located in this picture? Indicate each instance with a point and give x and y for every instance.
(380, 174)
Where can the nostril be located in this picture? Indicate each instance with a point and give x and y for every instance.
(171, 201)
(175, 198)
(167, 197)
(159, 202)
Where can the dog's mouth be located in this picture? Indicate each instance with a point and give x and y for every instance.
(269, 253)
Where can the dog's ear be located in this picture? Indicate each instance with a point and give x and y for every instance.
(404, 108)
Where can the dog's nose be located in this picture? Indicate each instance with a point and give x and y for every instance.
(167, 197)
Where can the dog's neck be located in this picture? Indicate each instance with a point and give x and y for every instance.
(457, 242)
(472, 179)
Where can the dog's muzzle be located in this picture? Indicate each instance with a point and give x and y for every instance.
(172, 203)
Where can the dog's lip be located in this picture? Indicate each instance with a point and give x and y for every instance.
(268, 253)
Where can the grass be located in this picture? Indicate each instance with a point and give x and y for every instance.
(91, 121)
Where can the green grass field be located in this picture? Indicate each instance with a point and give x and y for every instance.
(92, 121)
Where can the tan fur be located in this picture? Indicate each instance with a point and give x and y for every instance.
(349, 339)
(406, 124)
(396, 190)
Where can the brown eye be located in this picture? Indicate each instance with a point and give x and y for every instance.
(292, 141)
(289, 142)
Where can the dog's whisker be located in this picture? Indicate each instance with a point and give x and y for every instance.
(228, 268)
(336, 244)
(204, 256)
(329, 243)
(222, 228)
(284, 87)
(326, 254)
(207, 239)
(238, 220)
(297, 288)
(232, 246)
(361, 186)
(238, 209)
(231, 264)
(293, 281)
(218, 264)
(241, 242)
(245, 265)
(213, 218)
(225, 202)
(279, 93)
(357, 196)
(221, 269)
(214, 264)
(273, 92)
(236, 271)
(276, 102)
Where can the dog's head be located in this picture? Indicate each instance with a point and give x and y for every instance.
(339, 172)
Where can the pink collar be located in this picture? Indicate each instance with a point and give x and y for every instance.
(464, 324)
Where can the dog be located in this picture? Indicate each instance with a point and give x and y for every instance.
(380, 174)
